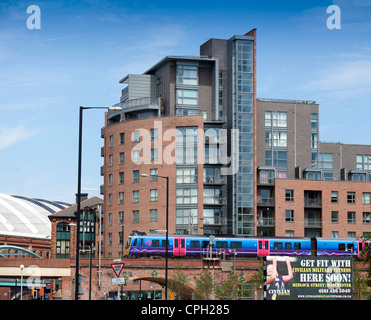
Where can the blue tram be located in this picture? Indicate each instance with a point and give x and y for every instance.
(141, 244)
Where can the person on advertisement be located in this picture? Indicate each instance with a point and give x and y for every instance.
(275, 282)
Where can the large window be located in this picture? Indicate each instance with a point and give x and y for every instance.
(187, 97)
(186, 195)
(186, 175)
(363, 161)
(187, 75)
(275, 119)
(63, 240)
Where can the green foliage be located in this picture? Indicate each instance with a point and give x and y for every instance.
(204, 285)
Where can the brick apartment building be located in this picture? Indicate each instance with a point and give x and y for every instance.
(272, 177)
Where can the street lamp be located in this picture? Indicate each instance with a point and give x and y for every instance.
(167, 227)
(21, 266)
(113, 108)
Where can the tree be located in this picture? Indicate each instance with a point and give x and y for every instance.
(178, 282)
(229, 289)
(204, 285)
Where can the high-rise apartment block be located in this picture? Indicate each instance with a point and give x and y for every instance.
(237, 165)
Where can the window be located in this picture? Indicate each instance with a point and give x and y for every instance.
(110, 239)
(195, 244)
(110, 160)
(155, 243)
(275, 119)
(187, 75)
(110, 179)
(110, 199)
(289, 216)
(236, 245)
(351, 217)
(121, 177)
(314, 121)
(351, 234)
(136, 216)
(154, 134)
(111, 141)
(153, 215)
(289, 195)
(289, 233)
(154, 194)
(314, 140)
(154, 154)
(122, 138)
(136, 135)
(122, 157)
(186, 195)
(334, 217)
(154, 174)
(334, 197)
(213, 196)
(221, 245)
(121, 217)
(279, 158)
(136, 176)
(334, 234)
(279, 138)
(63, 240)
(110, 219)
(136, 196)
(366, 198)
(186, 175)
(121, 194)
(187, 97)
(325, 160)
(366, 218)
(278, 245)
(363, 161)
(351, 197)
(288, 246)
(136, 156)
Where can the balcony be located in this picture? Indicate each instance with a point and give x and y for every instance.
(312, 223)
(312, 203)
(266, 222)
(265, 202)
(140, 104)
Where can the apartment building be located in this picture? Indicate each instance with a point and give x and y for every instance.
(236, 164)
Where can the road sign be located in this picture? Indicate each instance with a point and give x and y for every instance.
(118, 281)
(117, 268)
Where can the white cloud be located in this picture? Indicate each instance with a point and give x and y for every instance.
(10, 136)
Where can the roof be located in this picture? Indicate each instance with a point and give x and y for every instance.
(27, 217)
(70, 212)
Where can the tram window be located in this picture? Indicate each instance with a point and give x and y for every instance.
(278, 245)
(155, 243)
(297, 245)
(195, 244)
(163, 243)
(288, 246)
(141, 242)
(236, 245)
(222, 244)
(350, 247)
(342, 246)
(205, 244)
(182, 243)
(135, 243)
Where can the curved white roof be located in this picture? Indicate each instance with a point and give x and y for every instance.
(27, 217)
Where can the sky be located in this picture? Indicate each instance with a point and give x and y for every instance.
(83, 48)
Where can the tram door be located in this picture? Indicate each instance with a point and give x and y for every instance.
(361, 245)
(179, 246)
(263, 247)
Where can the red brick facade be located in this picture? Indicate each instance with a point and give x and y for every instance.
(345, 225)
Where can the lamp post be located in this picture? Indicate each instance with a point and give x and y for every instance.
(113, 108)
(167, 228)
(21, 266)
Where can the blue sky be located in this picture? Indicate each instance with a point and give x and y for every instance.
(85, 47)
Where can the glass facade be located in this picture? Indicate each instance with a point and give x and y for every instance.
(241, 117)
